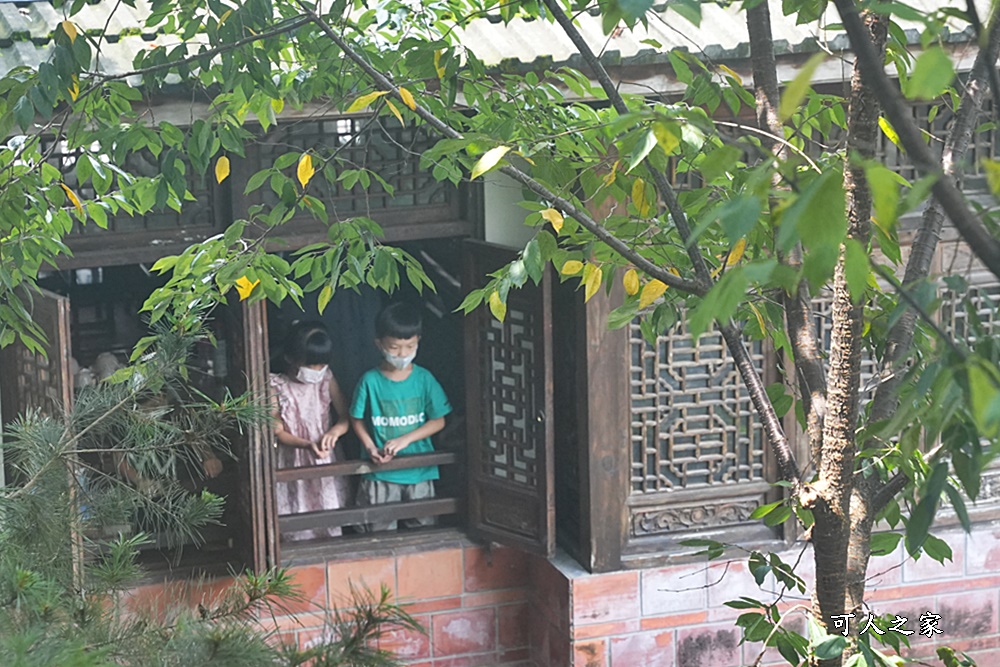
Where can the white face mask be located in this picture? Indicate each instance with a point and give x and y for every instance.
(311, 375)
(397, 362)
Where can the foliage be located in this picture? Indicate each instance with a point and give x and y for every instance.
(74, 527)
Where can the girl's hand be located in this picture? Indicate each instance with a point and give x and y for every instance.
(319, 449)
(329, 440)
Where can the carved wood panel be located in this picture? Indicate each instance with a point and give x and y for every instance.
(509, 388)
(692, 422)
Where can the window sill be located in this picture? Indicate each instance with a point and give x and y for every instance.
(357, 547)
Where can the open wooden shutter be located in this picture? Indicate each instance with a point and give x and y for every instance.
(510, 425)
(33, 381)
(257, 537)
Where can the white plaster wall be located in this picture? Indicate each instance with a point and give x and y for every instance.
(504, 218)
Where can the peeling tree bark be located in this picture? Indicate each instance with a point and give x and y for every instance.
(862, 137)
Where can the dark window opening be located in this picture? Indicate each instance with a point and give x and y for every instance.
(349, 318)
(105, 323)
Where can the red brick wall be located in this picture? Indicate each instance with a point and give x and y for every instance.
(675, 616)
(504, 607)
(472, 603)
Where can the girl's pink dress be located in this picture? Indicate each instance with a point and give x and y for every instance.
(305, 411)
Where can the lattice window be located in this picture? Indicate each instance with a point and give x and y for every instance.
(692, 423)
(509, 437)
(197, 213)
(391, 151)
(955, 313)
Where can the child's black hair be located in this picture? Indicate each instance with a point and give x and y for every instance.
(398, 320)
(307, 344)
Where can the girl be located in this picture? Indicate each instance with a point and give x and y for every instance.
(302, 396)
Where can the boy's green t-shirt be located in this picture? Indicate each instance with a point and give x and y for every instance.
(392, 409)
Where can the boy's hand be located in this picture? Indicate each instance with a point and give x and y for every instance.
(394, 446)
(377, 456)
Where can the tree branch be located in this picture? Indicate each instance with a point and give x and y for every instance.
(580, 215)
(808, 362)
(737, 347)
(985, 247)
(924, 246)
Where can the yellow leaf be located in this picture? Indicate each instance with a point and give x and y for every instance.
(365, 100)
(497, 307)
(631, 282)
(610, 177)
(731, 73)
(554, 217)
(245, 287)
(407, 98)
(653, 290)
(639, 197)
(70, 30)
(489, 160)
(592, 276)
(760, 318)
(277, 105)
(221, 169)
(222, 19)
(571, 268)
(395, 111)
(736, 254)
(305, 169)
(888, 130)
(73, 198)
(324, 297)
(437, 63)
(74, 89)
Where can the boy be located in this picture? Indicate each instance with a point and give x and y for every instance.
(397, 407)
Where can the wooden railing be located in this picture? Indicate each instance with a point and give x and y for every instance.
(352, 516)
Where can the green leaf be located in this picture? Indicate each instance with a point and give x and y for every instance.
(856, 269)
(763, 510)
(937, 549)
(797, 88)
(883, 544)
(488, 161)
(738, 216)
(634, 9)
(719, 162)
(24, 113)
(647, 144)
(923, 514)
(958, 503)
(884, 184)
(830, 647)
(932, 73)
(818, 215)
(720, 303)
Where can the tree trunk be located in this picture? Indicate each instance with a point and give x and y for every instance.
(862, 138)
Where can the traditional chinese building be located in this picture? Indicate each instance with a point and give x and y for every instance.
(579, 458)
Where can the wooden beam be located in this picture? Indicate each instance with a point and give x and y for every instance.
(360, 467)
(371, 514)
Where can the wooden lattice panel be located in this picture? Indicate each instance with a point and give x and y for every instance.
(509, 425)
(692, 424)
(954, 313)
(391, 151)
